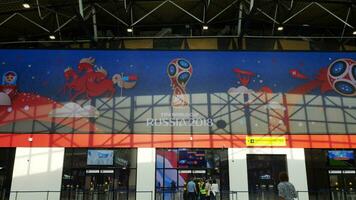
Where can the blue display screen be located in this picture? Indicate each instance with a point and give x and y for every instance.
(341, 158)
(100, 157)
(192, 159)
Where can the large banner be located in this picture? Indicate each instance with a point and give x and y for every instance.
(185, 94)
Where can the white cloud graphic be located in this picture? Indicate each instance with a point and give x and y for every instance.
(4, 99)
(275, 106)
(240, 89)
(74, 110)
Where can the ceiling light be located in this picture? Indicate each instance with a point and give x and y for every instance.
(129, 30)
(26, 5)
(52, 37)
(280, 28)
(205, 27)
(354, 33)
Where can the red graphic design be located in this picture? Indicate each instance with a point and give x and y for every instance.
(320, 81)
(244, 76)
(297, 74)
(92, 83)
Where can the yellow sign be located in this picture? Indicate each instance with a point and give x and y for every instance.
(266, 141)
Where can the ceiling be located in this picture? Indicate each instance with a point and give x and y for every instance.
(110, 19)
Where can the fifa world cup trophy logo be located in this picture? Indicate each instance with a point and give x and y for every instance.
(179, 71)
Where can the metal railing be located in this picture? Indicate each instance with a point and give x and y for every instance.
(170, 195)
(166, 194)
(80, 195)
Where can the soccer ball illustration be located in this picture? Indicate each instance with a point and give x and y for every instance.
(342, 76)
(179, 71)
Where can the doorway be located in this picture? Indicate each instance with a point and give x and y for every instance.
(99, 174)
(342, 184)
(263, 172)
(7, 156)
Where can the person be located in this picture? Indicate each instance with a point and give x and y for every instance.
(192, 190)
(286, 190)
(185, 193)
(173, 190)
(214, 190)
(207, 189)
(202, 192)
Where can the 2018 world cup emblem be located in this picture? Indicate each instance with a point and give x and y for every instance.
(179, 71)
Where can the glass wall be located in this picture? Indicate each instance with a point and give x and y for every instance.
(97, 174)
(263, 172)
(7, 156)
(174, 168)
(331, 174)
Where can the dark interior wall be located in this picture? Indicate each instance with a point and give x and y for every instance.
(7, 156)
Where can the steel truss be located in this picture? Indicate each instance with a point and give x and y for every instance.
(244, 9)
(252, 113)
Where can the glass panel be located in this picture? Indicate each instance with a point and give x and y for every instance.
(263, 171)
(181, 164)
(82, 181)
(336, 187)
(170, 160)
(350, 184)
(159, 178)
(159, 158)
(170, 178)
(125, 158)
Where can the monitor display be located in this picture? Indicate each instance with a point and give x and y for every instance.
(191, 159)
(341, 158)
(100, 157)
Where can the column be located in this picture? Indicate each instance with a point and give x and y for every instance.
(36, 171)
(146, 165)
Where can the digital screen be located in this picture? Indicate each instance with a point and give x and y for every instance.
(100, 157)
(191, 159)
(341, 158)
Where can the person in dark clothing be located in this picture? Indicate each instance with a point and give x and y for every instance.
(192, 190)
(173, 190)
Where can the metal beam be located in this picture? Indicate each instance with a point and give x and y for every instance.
(205, 7)
(81, 11)
(149, 13)
(59, 33)
(331, 13)
(187, 12)
(30, 20)
(239, 23)
(252, 2)
(251, 5)
(297, 13)
(269, 17)
(69, 20)
(347, 18)
(7, 19)
(39, 11)
(275, 16)
(112, 15)
(221, 12)
(95, 28)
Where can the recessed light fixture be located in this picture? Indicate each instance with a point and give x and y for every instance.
(354, 33)
(129, 30)
(52, 37)
(205, 27)
(280, 28)
(26, 5)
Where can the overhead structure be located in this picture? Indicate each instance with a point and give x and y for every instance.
(69, 20)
